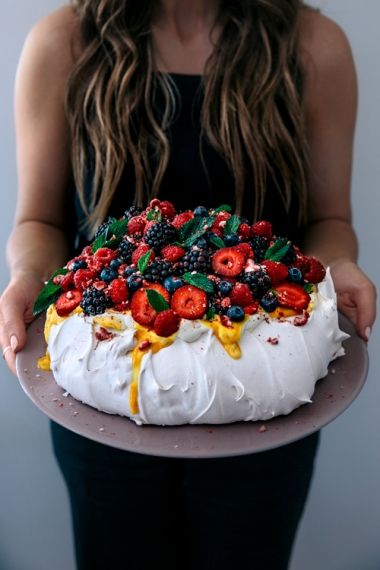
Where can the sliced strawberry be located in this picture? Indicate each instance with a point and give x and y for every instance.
(228, 261)
(244, 231)
(141, 250)
(136, 225)
(314, 271)
(167, 209)
(241, 294)
(292, 296)
(263, 229)
(117, 291)
(67, 302)
(172, 253)
(189, 302)
(142, 311)
(277, 271)
(166, 323)
(182, 218)
(83, 278)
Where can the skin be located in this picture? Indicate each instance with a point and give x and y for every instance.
(184, 33)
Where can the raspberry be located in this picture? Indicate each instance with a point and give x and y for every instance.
(105, 255)
(241, 294)
(117, 291)
(141, 250)
(67, 280)
(189, 302)
(314, 272)
(172, 253)
(244, 231)
(166, 323)
(220, 221)
(182, 218)
(136, 225)
(83, 278)
(167, 209)
(67, 302)
(160, 234)
(228, 261)
(277, 271)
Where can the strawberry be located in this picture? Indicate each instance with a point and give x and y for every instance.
(263, 229)
(189, 302)
(83, 278)
(140, 251)
(172, 253)
(314, 271)
(252, 308)
(122, 307)
(142, 310)
(241, 295)
(117, 291)
(67, 302)
(292, 296)
(167, 209)
(166, 323)
(182, 218)
(228, 261)
(136, 225)
(276, 270)
(244, 231)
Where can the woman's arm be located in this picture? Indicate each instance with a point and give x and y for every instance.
(331, 105)
(38, 241)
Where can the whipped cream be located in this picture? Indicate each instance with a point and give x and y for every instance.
(192, 379)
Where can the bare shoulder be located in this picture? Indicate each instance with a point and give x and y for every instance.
(54, 42)
(324, 45)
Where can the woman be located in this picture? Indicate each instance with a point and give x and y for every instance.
(117, 95)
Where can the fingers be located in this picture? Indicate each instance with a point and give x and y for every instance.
(12, 327)
(366, 309)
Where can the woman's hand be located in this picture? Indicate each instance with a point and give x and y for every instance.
(16, 311)
(356, 295)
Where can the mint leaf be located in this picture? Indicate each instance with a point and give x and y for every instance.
(49, 293)
(188, 228)
(278, 245)
(143, 261)
(204, 225)
(99, 242)
(157, 301)
(309, 288)
(210, 313)
(154, 215)
(117, 229)
(223, 208)
(232, 225)
(199, 280)
(280, 253)
(216, 240)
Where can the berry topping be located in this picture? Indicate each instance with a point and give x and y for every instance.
(104, 255)
(196, 259)
(259, 281)
(83, 278)
(132, 212)
(79, 264)
(201, 211)
(241, 294)
(158, 271)
(259, 245)
(160, 234)
(225, 287)
(293, 296)
(67, 302)
(244, 231)
(136, 225)
(228, 262)
(125, 250)
(94, 301)
(167, 209)
(263, 229)
(107, 274)
(314, 271)
(141, 250)
(182, 218)
(142, 310)
(236, 313)
(134, 281)
(295, 274)
(269, 301)
(172, 253)
(118, 291)
(166, 323)
(189, 302)
(231, 239)
(171, 284)
(276, 270)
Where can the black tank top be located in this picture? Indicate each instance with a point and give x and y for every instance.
(196, 173)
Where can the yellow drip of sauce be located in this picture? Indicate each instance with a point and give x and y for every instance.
(228, 336)
(44, 363)
(109, 322)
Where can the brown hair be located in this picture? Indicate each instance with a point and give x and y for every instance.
(251, 111)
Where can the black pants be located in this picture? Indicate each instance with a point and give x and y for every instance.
(139, 512)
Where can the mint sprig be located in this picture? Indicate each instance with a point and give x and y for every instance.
(157, 301)
(223, 208)
(49, 293)
(278, 250)
(199, 280)
(232, 225)
(144, 261)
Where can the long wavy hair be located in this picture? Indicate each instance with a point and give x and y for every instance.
(252, 107)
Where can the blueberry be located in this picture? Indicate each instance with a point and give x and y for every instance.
(202, 243)
(108, 274)
(225, 287)
(80, 264)
(129, 271)
(115, 263)
(235, 313)
(269, 301)
(295, 274)
(134, 282)
(231, 239)
(201, 211)
(171, 284)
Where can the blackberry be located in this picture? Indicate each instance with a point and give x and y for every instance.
(196, 259)
(94, 301)
(133, 211)
(290, 256)
(158, 271)
(258, 281)
(126, 248)
(103, 227)
(160, 234)
(215, 301)
(259, 245)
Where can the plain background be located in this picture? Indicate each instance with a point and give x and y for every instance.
(340, 529)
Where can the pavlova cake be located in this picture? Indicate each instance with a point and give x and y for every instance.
(192, 317)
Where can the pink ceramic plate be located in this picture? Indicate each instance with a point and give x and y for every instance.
(332, 396)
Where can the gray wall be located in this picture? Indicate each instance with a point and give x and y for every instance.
(340, 526)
